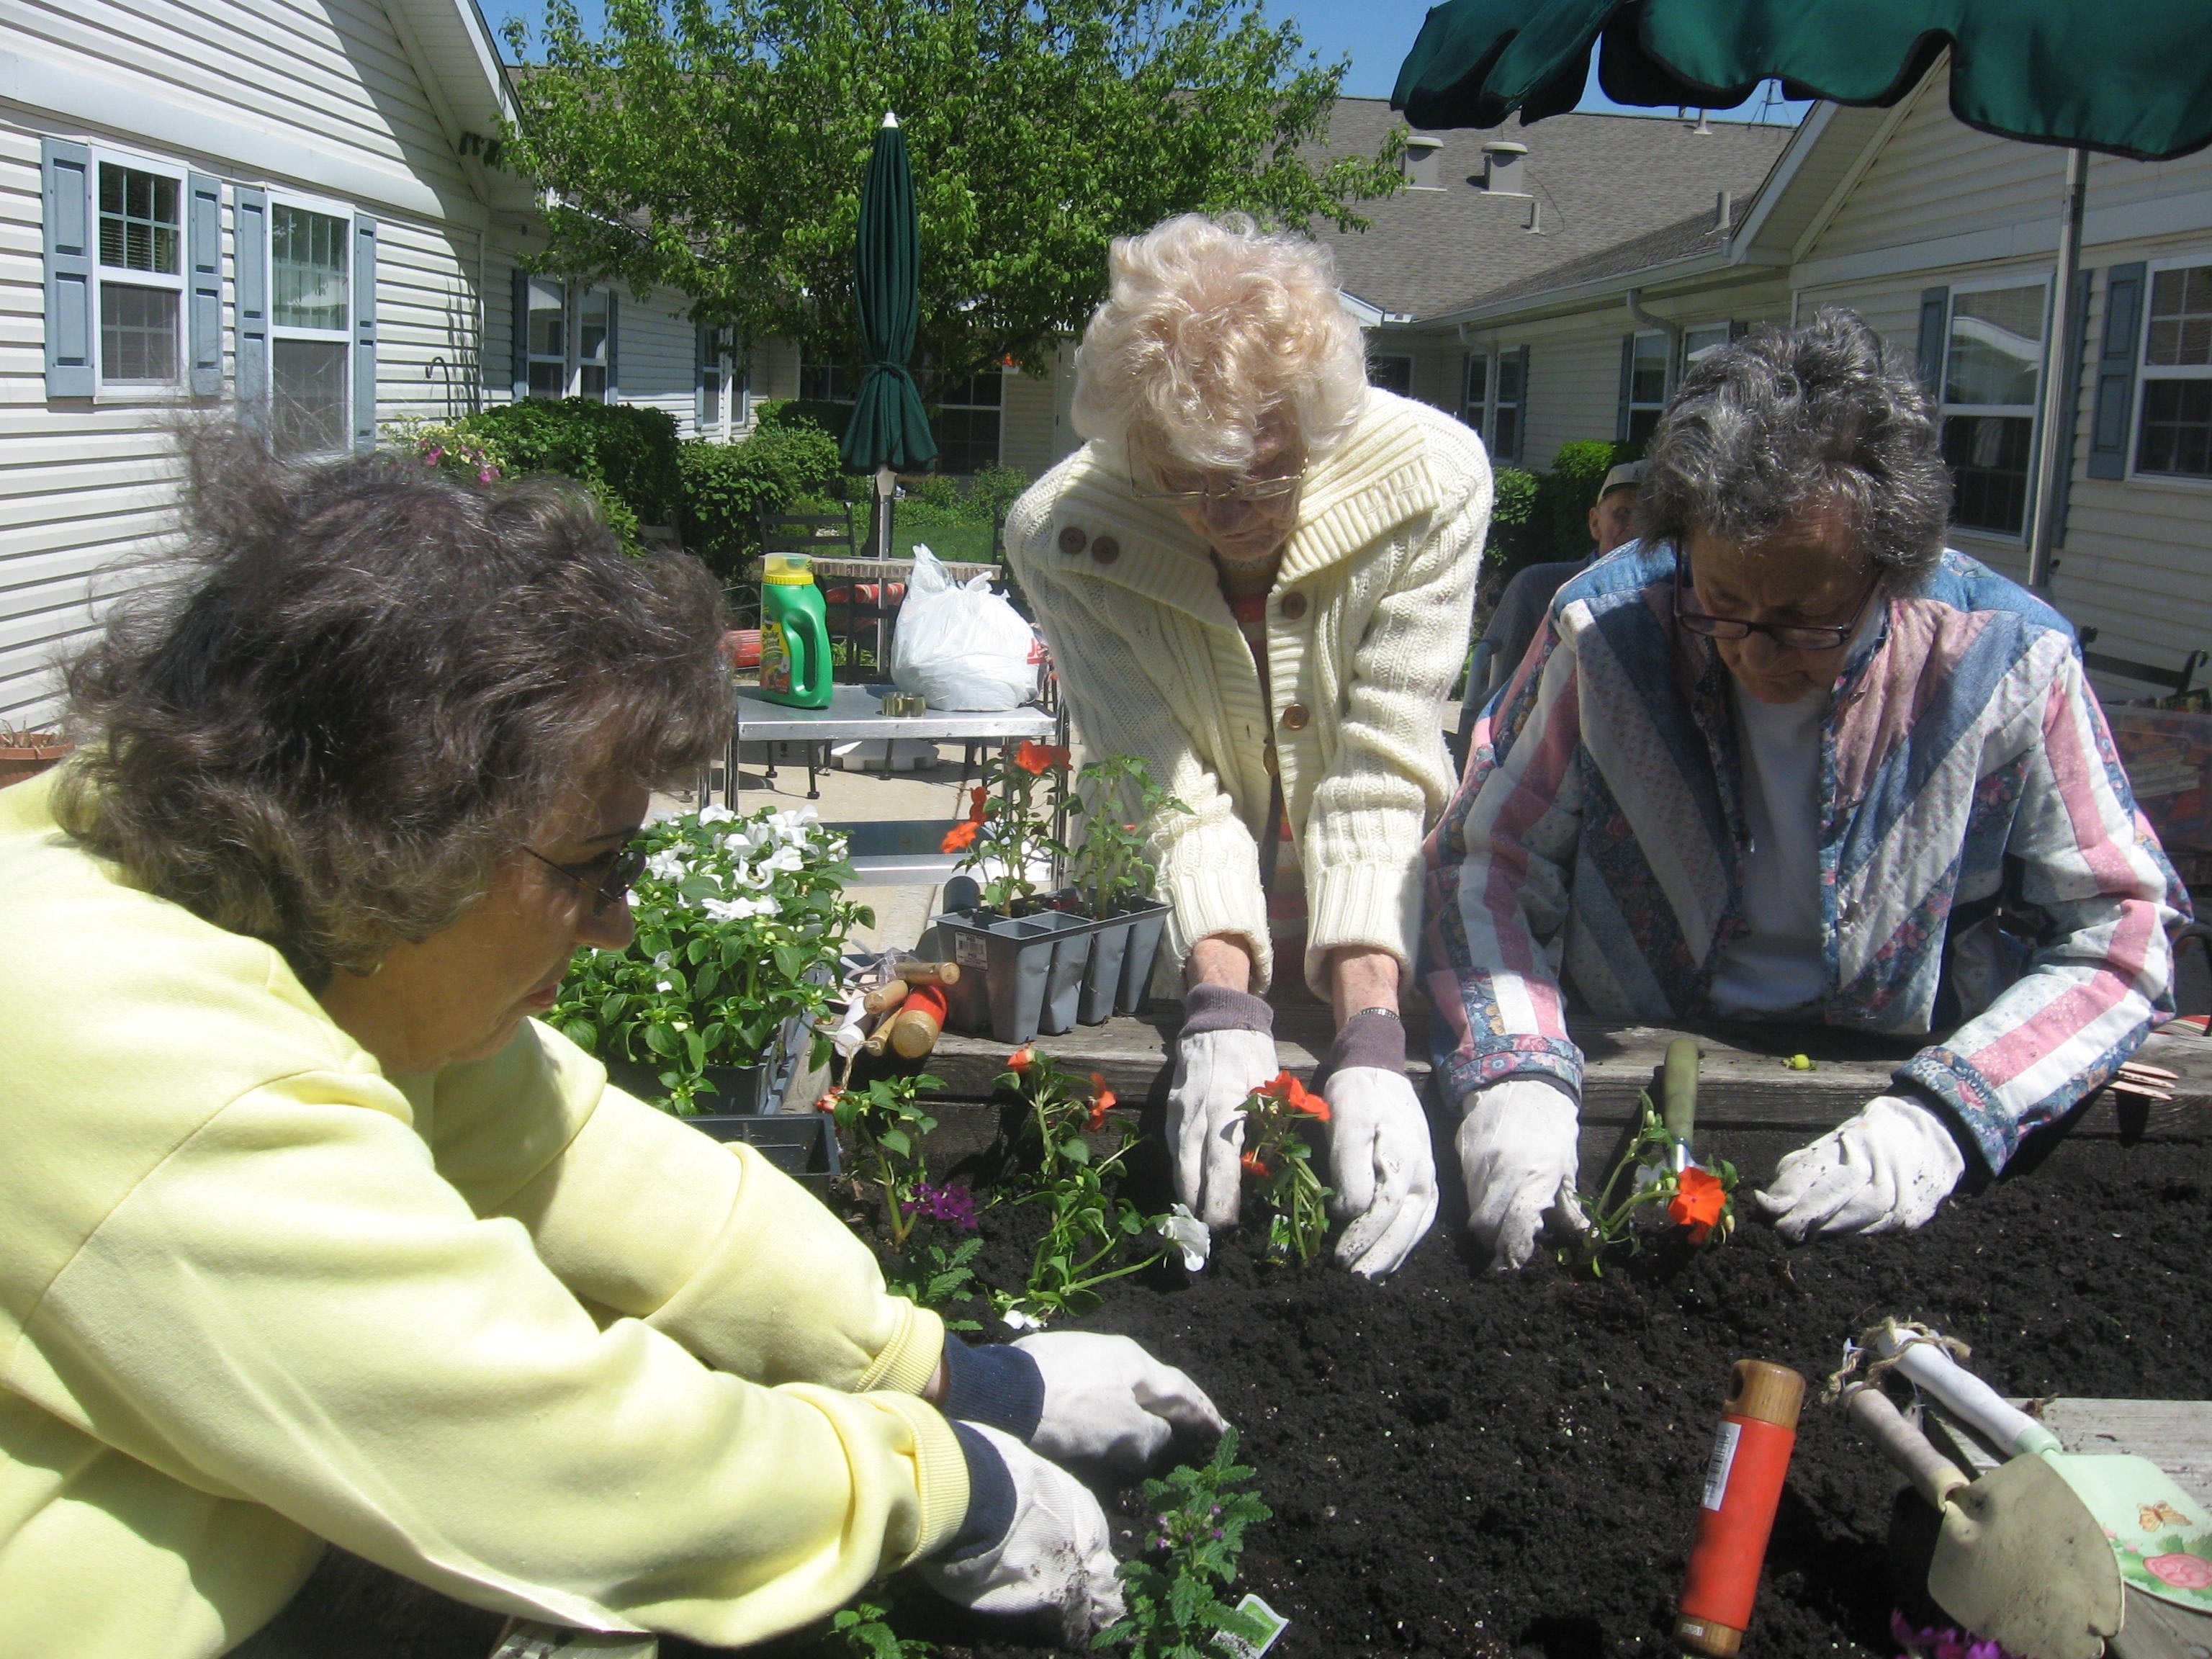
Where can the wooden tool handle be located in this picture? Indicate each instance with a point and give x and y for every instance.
(1980, 1407)
(914, 1032)
(929, 973)
(1678, 1088)
(885, 997)
(880, 1038)
(1933, 1476)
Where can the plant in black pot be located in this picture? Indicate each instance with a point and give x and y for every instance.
(740, 923)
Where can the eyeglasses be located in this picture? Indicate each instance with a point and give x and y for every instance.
(622, 867)
(1255, 492)
(1797, 636)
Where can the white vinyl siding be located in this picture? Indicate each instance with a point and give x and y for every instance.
(1028, 440)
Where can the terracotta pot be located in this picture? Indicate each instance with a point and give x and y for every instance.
(30, 754)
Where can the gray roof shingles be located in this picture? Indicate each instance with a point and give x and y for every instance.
(1617, 193)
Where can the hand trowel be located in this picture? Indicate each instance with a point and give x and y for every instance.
(2160, 1535)
(2019, 1559)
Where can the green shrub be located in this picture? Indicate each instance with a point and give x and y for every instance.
(777, 413)
(790, 466)
(1570, 490)
(994, 490)
(626, 450)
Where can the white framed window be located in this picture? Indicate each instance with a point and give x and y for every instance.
(821, 382)
(1992, 371)
(310, 325)
(964, 421)
(2174, 429)
(1701, 342)
(545, 331)
(138, 266)
(1646, 375)
(1509, 379)
(725, 385)
(595, 332)
(1474, 392)
(1392, 371)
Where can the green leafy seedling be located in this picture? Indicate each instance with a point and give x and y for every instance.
(1176, 1609)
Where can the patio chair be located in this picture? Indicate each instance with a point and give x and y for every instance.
(2175, 681)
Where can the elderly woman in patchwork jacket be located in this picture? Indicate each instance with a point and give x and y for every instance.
(1256, 576)
(1788, 757)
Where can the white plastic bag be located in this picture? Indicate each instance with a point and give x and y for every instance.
(961, 647)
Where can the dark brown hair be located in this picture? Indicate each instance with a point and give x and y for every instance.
(354, 686)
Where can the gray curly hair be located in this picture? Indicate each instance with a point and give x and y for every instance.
(359, 685)
(1788, 420)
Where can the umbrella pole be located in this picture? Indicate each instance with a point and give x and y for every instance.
(2054, 436)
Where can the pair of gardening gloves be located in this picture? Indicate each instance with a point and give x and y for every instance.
(1381, 1175)
(1036, 1542)
(1884, 1169)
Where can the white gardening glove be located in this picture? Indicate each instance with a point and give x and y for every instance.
(1380, 1167)
(1106, 1400)
(1056, 1556)
(1884, 1170)
(1519, 1150)
(1231, 1053)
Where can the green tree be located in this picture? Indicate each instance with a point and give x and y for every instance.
(716, 147)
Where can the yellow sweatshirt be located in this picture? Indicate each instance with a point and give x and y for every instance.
(502, 1329)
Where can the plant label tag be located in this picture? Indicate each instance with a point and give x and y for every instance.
(1256, 1628)
(526, 1638)
(1716, 1471)
(970, 951)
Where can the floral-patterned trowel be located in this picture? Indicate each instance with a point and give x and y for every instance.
(2161, 1536)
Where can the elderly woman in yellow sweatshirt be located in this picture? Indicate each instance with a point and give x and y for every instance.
(1256, 575)
(309, 1232)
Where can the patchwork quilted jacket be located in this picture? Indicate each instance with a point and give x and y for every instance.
(1984, 870)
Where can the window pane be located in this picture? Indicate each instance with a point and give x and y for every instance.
(825, 383)
(1996, 346)
(1507, 438)
(2177, 429)
(138, 333)
(1391, 373)
(138, 224)
(967, 439)
(1989, 460)
(1699, 343)
(546, 380)
(2180, 319)
(1648, 381)
(308, 382)
(547, 334)
(1642, 423)
(1508, 378)
(592, 329)
(306, 268)
(591, 381)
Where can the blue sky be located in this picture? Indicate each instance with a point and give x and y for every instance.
(1375, 34)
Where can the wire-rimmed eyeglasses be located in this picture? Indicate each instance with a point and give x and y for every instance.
(1254, 492)
(1797, 636)
(617, 873)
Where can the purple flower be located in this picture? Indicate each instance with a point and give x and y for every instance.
(953, 1205)
(1947, 1643)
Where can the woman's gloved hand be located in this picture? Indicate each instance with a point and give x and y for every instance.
(1519, 1151)
(1106, 1400)
(1035, 1541)
(1227, 1050)
(1380, 1167)
(1884, 1170)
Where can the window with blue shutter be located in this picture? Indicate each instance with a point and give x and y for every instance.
(249, 242)
(2077, 344)
(364, 333)
(204, 283)
(2113, 413)
(67, 168)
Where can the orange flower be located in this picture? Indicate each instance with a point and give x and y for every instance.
(1253, 1165)
(1285, 1087)
(1100, 1106)
(829, 1101)
(1698, 1199)
(960, 838)
(977, 799)
(1021, 1059)
(1037, 758)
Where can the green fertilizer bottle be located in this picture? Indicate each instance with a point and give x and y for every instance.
(794, 662)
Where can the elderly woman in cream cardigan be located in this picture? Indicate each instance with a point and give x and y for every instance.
(1256, 575)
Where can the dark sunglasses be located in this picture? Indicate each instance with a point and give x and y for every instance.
(604, 886)
(1798, 636)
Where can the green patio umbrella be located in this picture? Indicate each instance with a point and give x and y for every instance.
(889, 430)
(2129, 77)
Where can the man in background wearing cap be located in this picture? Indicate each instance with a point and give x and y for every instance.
(1529, 595)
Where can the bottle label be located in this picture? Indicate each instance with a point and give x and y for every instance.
(1724, 1460)
(776, 658)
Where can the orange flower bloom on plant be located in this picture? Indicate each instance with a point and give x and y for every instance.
(1021, 1059)
(1285, 1087)
(1253, 1166)
(960, 838)
(1102, 1104)
(978, 799)
(1698, 1203)
(1038, 758)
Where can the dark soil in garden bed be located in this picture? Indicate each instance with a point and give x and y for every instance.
(1468, 1463)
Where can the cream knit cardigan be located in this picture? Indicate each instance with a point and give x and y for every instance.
(1390, 527)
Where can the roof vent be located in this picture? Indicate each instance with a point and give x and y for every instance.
(1723, 210)
(1504, 165)
(1424, 164)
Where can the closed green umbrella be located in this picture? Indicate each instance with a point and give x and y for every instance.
(888, 432)
(2130, 77)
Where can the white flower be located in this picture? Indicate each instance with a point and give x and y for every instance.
(1186, 1232)
(668, 865)
(662, 985)
(1021, 1321)
(738, 909)
(664, 959)
(785, 858)
(716, 815)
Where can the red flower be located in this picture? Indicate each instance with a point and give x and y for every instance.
(978, 799)
(1021, 1059)
(1698, 1199)
(1295, 1095)
(1253, 1165)
(829, 1101)
(1099, 1109)
(1037, 758)
(960, 838)
(2189, 1572)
